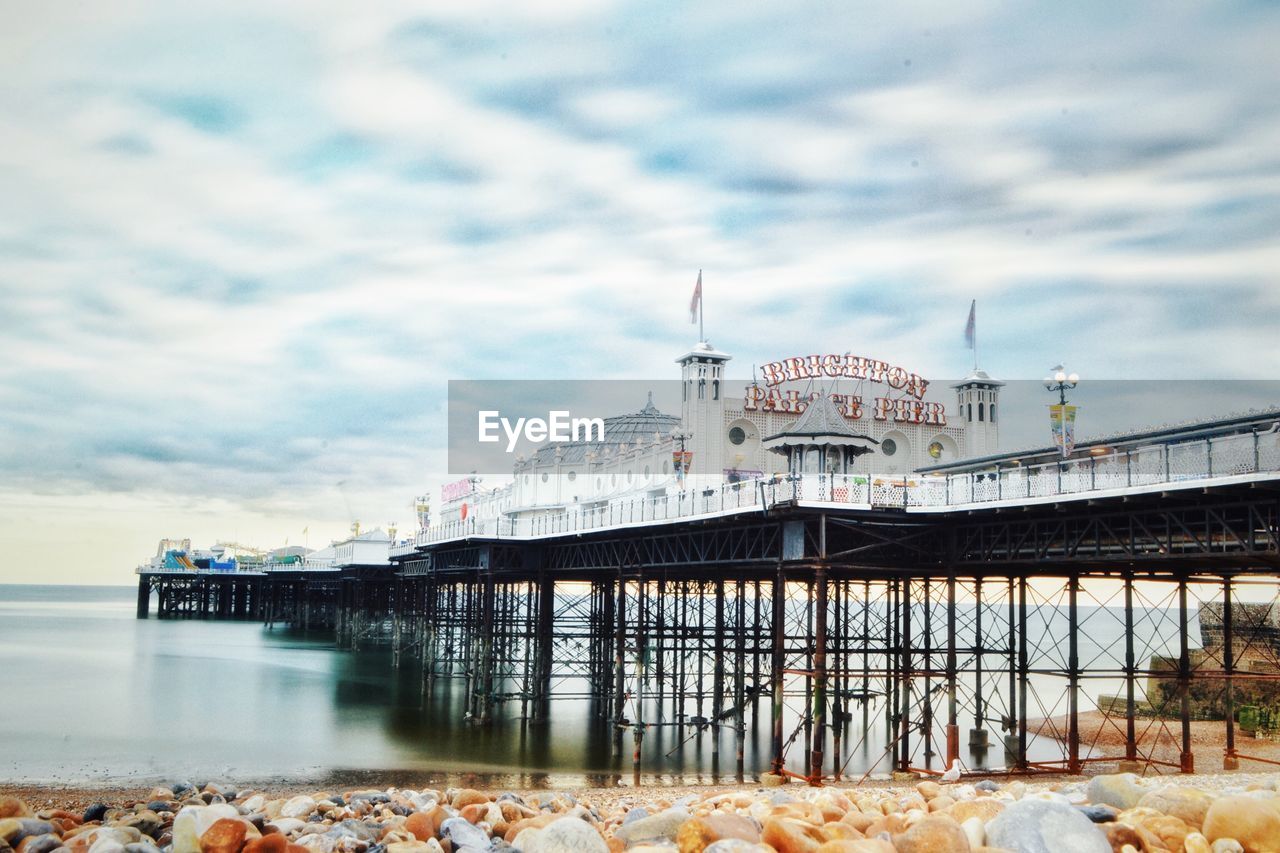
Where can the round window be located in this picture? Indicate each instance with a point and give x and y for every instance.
(888, 447)
(737, 435)
(935, 450)
(573, 475)
(545, 476)
(646, 472)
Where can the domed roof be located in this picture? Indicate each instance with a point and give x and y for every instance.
(619, 431)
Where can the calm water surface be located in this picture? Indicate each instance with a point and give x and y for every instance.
(92, 694)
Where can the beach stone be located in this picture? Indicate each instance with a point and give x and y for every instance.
(934, 834)
(568, 836)
(986, 785)
(664, 824)
(1227, 845)
(39, 844)
(299, 807)
(226, 835)
(1099, 812)
(14, 807)
(409, 847)
(635, 814)
(787, 835)
(1253, 822)
(1188, 804)
(421, 825)
(462, 833)
(191, 822)
(273, 843)
(107, 844)
(1116, 789)
(928, 789)
(698, 833)
(287, 825)
(317, 843)
(1043, 826)
(1169, 830)
(17, 829)
(976, 831)
(467, 797)
(1196, 843)
(146, 821)
(986, 809)
(861, 845)
(97, 811)
(725, 845)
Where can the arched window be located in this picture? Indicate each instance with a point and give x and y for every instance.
(980, 411)
(993, 412)
(702, 389)
(971, 411)
(715, 389)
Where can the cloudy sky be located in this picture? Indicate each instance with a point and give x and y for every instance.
(244, 245)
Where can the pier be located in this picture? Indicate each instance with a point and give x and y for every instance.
(954, 626)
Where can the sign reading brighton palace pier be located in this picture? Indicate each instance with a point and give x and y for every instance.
(911, 407)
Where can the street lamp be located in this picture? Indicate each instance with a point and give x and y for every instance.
(679, 467)
(1062, 382)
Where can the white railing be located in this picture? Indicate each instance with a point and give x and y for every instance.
(1210, 458)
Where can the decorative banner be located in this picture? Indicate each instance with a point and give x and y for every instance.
(1062, 421)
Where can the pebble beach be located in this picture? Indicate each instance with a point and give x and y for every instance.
(1119, 812)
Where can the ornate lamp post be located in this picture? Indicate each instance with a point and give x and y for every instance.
(678, 467)
(1062, 382)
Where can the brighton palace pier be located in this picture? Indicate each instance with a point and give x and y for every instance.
(842, 553)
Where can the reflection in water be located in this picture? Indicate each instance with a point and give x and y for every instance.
(93, 694)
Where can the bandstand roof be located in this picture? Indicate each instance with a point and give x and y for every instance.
(820, 423)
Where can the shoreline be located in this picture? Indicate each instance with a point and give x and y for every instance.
(73, 797)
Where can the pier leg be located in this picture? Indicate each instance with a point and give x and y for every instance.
(144, 596)
(904, 697)
(1130, 683)
(739, 681)
(620, 654)
(978, 737)
(1188, 762)
(1230, 761)
(777, 664)
(819, 673)
(1073, 675)
(926, 709)
(717, 671)
(953, 705)
(1024, 673)
(545, 644)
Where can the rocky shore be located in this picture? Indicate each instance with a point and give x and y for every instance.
(1120, 813)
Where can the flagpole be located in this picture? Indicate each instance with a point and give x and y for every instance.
(975, 336)
(702, 297)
